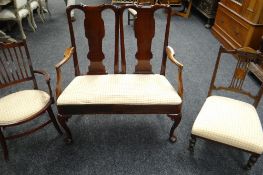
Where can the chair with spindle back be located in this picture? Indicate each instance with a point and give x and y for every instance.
(97, 92)
(227, 120)
(24, 105)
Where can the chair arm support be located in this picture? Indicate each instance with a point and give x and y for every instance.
(47, 78)
(67, 55)
(170, 55)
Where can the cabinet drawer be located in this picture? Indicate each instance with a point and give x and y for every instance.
(233, 27)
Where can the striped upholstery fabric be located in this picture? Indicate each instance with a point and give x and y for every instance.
(21, 105)
(119, 89)
(231, 122)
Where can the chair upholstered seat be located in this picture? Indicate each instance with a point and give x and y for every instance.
(130, 89)
(10, 13)
(132, 11)
(230, 121)
(34, 5)
(19, 106)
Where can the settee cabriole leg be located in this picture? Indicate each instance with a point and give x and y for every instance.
(52, 117)
(3, 143)
(192, 142)
(177, 119)
(62, 120)
(251, 161)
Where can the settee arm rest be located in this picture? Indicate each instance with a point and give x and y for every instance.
(47, 79)
(170, 55)
(67, 55)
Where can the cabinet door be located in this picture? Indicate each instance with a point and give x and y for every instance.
(235, 5)
(252, 10)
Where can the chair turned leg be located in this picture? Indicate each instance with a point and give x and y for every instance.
(3, 144)
(251, 161)
(31, 22)
(53, 119)
(19, 22)
(176, 118)
(192, 142)
(39, 12)
(62, 120)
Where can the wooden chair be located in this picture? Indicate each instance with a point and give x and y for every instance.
(25, 105)
(185, 6)
(133, 13)
(16, 13)
(97, 92)
(227, 120)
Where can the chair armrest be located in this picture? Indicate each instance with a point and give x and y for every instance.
(170, 55)
(67, 55)
(47, 78)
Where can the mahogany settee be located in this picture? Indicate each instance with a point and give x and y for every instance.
(141, 92)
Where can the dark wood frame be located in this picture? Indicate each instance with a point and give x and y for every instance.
(23, 74)
(244, 56)
(144, 28)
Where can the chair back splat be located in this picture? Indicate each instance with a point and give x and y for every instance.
(95, 31)
(120, 93)
(16, 64)
(244, 57)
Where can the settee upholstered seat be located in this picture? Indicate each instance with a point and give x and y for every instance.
(231, 122)
(130, 89)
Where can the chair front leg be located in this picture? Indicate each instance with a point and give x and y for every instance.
(53, 119)
(177, 119)
(62, 120)
(31, 21)
(19, 22)
(3, 144)
(40, 13)
(251, 161)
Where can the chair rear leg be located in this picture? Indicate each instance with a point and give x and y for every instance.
(251, 161)
(62, 120)
(177, 119)
(192, 142)
(53, 119)
(3, 144)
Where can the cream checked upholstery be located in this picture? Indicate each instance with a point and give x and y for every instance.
(10, 13)
(21, 105)
(119, 89)
(230, 121)
(132, 11)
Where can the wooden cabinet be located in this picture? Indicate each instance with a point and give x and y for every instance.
(239, 23)
(207, 8)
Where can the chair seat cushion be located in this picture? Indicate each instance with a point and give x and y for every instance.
(132, 11)
(34, 5)
(231, 122)
(19, 106)
(9, 13)
(127, 89)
